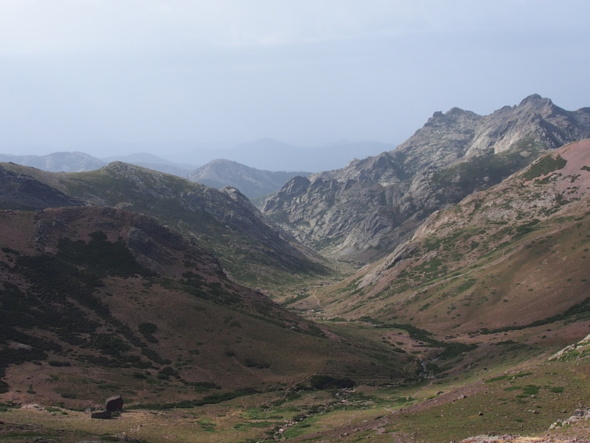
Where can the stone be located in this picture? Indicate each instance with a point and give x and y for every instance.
(103, 415)
(114, 403)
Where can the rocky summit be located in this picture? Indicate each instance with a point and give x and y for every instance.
(363, 211)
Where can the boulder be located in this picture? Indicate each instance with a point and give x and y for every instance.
(114, 403)
(103, 415)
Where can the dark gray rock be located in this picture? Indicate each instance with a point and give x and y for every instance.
(114, 403)
(102, 415)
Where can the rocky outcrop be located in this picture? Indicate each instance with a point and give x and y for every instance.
(580, 414)
(365, 210)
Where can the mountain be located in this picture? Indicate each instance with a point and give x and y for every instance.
(504, 260)
(22, 191)
(57, 161)
(496, 290)
(80, 162)
(223, 221)
(154, 162)
(363, 211)
(469, 316)
(251, 182)
(273, 155)
(98, 298)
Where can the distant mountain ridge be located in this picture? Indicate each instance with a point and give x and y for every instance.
(361, 212)
(273, 155)
(251, 182)
(154, 162)
(57, 161)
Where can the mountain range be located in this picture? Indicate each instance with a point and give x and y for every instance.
(433, 292)
(363, 211)
(252, 182)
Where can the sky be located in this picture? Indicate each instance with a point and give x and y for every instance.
(94, 74)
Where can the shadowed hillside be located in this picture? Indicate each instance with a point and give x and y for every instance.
(224, 222)
(114, 298)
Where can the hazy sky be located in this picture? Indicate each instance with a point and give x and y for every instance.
(80, 72)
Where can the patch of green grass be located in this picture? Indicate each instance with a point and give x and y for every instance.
(544, 166)
(206, 425)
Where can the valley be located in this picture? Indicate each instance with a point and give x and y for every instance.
(432, 293)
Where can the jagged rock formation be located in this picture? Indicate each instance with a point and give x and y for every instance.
(253, 183)
(365, 210)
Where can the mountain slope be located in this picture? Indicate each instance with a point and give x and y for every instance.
(22, 191)
(94, 296)
(362, 212)
(505, 261)
(224, 222)
(251, 182)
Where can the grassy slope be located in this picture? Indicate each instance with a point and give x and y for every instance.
(250, 251)
(521, 400)
(506, 258)
(99, 322)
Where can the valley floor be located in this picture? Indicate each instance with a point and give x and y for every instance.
(504, 401)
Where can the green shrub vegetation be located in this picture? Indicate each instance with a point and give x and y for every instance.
(322, 382)
(544, 166)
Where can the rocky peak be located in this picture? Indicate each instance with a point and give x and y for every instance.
(370, 206)
(535, 100)
(536, 119)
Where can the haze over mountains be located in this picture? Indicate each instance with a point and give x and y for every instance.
(437, 278)
(257, 168)
(263, 154)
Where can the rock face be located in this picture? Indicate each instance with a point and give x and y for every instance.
(484, 264)
(365, 210)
